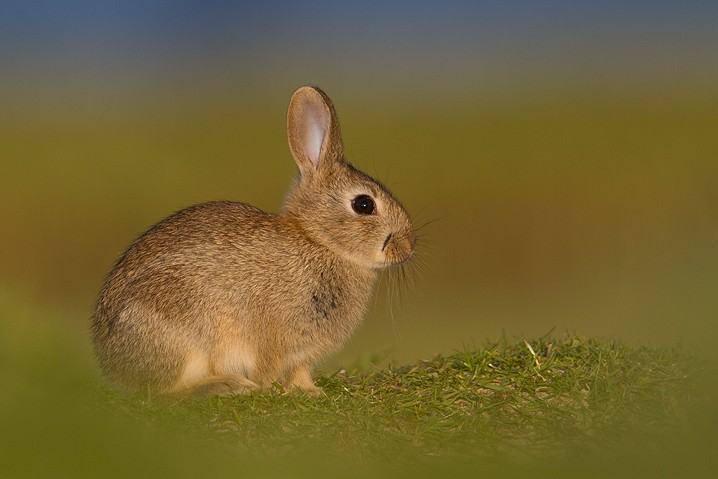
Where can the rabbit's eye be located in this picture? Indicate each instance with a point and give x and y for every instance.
(363, 205)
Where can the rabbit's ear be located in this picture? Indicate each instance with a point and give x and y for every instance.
(313, 129)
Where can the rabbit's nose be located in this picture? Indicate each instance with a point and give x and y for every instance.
(399, 246)
(406, 242)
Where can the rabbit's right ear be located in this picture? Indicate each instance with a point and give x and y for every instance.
(313, 130)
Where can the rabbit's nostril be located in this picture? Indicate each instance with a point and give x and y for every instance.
(386, 241)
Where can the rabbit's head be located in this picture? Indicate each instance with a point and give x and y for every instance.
(337, 205)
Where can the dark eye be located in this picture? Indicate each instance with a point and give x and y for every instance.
(363, 205)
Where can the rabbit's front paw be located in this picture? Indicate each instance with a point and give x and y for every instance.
(301, 380)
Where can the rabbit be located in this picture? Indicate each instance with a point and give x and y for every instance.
(222, 298)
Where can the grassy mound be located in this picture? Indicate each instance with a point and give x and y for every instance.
(505, 403)
(548, 407)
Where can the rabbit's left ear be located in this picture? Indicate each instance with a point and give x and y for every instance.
(313, 130)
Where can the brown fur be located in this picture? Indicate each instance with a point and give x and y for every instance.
(223, 298)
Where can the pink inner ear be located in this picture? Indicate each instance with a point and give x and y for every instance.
(314, 131)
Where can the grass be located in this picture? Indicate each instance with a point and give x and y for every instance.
(509, 403)
(547, 407)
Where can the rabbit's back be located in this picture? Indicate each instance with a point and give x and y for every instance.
(173, 267)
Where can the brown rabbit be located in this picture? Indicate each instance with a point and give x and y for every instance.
(223, 298)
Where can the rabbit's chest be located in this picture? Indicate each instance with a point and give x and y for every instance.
(334, 309)
(325, 305)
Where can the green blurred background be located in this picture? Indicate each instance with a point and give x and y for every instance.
(563, 154)
(567, 152)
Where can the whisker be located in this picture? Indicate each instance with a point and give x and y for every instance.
(382, 276)
(424, 239)
(419, 212)
(426, 223)
(391, 296)
(410, 277)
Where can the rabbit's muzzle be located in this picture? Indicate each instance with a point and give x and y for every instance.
(398, 247)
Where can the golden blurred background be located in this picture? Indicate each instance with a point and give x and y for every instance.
(563, 155)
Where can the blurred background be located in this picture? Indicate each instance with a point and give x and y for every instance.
(563, 154)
